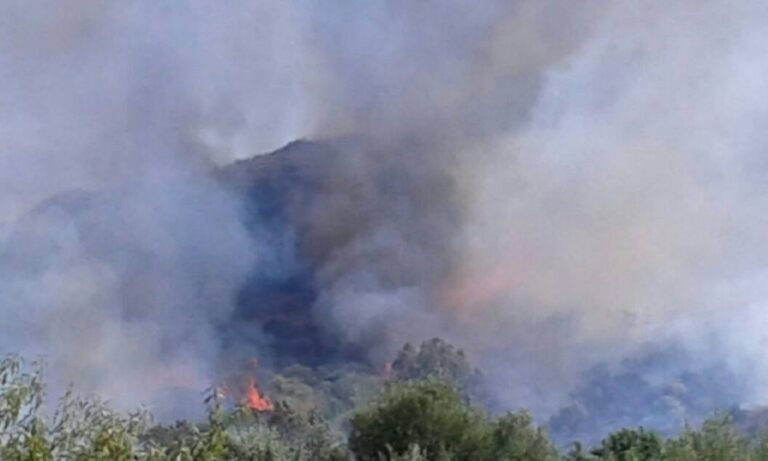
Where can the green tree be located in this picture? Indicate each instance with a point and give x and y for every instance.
(716, 440)
(631, 445)
(430, 414)
(514, 437)
(80, 430)
(435, 359)
(433, 416)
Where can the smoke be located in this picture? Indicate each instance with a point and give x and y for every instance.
(428, 86)
(604, 181)
(95, 93)
(119, 254)
(629, 194)
(551, 185)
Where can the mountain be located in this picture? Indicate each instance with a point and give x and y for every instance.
(274, 308)
(337, 219)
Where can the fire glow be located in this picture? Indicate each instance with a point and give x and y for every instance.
(255, 400)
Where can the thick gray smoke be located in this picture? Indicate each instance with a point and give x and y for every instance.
(627, 207)
(119, 254)
(552, 185)
(607, 184)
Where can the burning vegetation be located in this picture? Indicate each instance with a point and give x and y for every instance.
(255, 399)
(247, 391)
(425, 410)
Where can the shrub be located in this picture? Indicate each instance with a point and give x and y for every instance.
(631, 445)
(430, 414)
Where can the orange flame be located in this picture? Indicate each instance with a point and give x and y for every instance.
(255, 400)
(252, 397)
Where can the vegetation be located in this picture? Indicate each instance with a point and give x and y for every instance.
(421, 411)
(435, 359)
(430, 415)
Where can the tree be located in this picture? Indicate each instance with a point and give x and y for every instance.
(81, 429)
(429, 414)
(716, 440)
(435, 359)
(631, 445)
(433, 416)
(515, 438)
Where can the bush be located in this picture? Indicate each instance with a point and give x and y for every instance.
(716, 440)
(81, 429)
(433, 416)
(411, 420)
(436, 359)
(428, 414)
(631, 445)
(515, 438)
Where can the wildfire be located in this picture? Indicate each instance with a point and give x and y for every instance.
(255, 400)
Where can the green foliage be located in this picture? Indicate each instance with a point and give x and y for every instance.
(435, 359)
(283, 435)
(330, 391)
(80, 429)
(631, 445)
(430, 414)
(716, 440)
(424, 414)
(88, 430)
(514, 437)
(414, 453)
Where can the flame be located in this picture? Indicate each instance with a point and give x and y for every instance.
(255, 400)
(244, 387)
